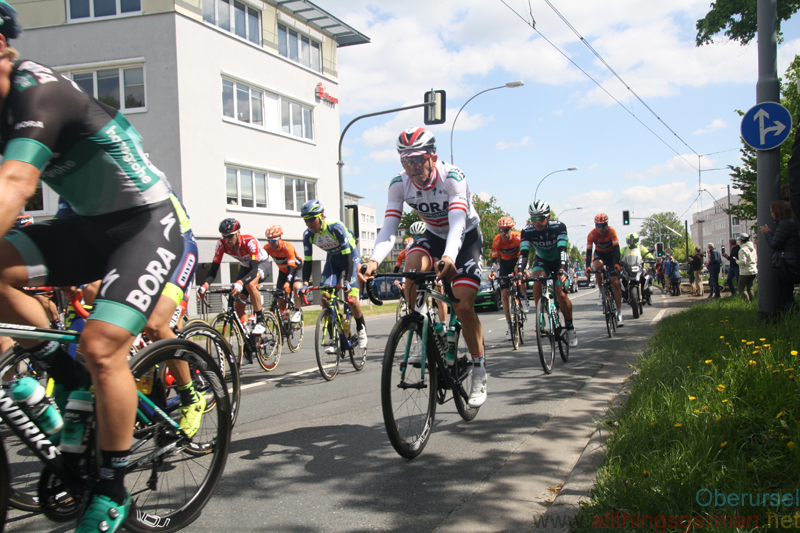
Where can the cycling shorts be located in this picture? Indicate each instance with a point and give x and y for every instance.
(548, 267)
(283, 278)
(336, 266)
(468, 261)
(506, 268)
(608, 260)
(263, 266)
(134, 252)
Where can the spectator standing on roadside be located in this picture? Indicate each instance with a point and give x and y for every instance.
(785, 244)
(748, 267)
(733, 269)
(696, 264)
(714, 265)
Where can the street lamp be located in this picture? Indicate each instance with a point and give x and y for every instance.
(565, 210)
(511, 84)
(544, 178)
(577, 226)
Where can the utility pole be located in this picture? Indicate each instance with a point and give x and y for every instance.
(768, 161)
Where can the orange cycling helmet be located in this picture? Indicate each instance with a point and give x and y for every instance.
(23, 219)
(505, 222)
(274, 232)
(408, 241)
(601, 218)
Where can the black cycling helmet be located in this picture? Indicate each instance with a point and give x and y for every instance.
(229, 225)
(9, 21)
(312, 209)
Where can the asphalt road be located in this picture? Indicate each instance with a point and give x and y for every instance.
(312, 456)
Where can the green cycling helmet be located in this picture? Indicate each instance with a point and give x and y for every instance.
(312, 209)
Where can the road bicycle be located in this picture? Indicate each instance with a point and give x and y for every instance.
(336, 334)
(291, 330)
(516, 311)
(410, 391)
(609, 303)
(171, 476)
(551, 326)
(266, 348)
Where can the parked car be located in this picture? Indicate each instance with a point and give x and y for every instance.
(489, 294)
(582, 281)
(573, 281)
(385, 289)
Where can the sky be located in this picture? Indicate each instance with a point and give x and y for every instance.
(637, 142)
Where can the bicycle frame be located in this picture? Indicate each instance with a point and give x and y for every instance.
(339, 316)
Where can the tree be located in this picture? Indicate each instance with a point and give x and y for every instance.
(745, 177)
(576, 256)
(654, 230)
(490, 213)
(738, 20)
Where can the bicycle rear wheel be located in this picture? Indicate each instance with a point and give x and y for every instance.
(409, 406)
(212, 341)
(545, 336)
(327, 345)
(296, 331)
(563, 343)
(358, 356)
(463, 367)
(170, 488)
(268, 344)
(610, 315)
(512, 313)
(232, 335)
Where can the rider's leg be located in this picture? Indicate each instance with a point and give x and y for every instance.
(420, 261)
(255, 297)
(564, 302)
(617, 291)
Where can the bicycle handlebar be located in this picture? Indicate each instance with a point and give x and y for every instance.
(415, 276)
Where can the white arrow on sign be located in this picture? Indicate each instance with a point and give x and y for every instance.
(777, 128)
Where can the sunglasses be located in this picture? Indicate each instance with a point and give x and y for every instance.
(229, 236)
(505, 230)
(539, 218)
(415, 161)
(601, 226)
(273, 241)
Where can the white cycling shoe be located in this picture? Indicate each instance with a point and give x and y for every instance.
(572, 337)
(508, 334)
(297, 316)
(362, 338)
(620, 321)
(477, 396)
(526, 306)
(258, 329)
(415, 355)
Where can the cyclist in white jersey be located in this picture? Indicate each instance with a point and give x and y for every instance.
(438, 192)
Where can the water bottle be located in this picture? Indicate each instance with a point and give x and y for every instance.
(450, 357)
(441, 340)
(145, 383)
(30, 395)
(245, 325)
(77, 421)
(346, 325)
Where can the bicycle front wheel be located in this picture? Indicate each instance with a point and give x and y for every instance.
(512, 313)
(563, 343)
(407, 400)
(296, 331)
(610, 315)
(268, 344)
(358, 356)
(463, 369)
(217, 347)
(402, 309)
(232, 335)
(169, 488)
(327, 345)
(545, 336)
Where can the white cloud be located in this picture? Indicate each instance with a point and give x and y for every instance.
(525, 141)
(716, 124)
(485, 196)
(676, 192)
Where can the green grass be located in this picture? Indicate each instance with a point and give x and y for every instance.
(715, 407)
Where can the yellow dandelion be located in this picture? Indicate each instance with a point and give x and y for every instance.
(750, 343)
(692, 398)
(686, 367)
(723, 444)
(645, 473)
(788, 369)
(697, 411)
(720, 388)
(709, 361)
(780, 364)
(794, 352)
(678, 425)
(724, 401)
(751, 363)
(709, 373)
(756, 352)
(790, 445)
(779, 414)
(705, 407)
(775, 371)
(719, 418)
(652, 424)
(727, 344)
(722, 336)
(762, 340)
(767, 346)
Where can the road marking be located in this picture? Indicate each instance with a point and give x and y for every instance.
(267, 381)
(658, 316)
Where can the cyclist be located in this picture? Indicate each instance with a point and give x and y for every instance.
(124, 231)
(550, 243)
(253, 266)
(604, 238)
(438, 192)
(343, 257)
(505, 253)
(23, 219)
(288, 262)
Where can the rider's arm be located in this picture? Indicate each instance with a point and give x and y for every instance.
(306, 256)
(589, 246)
(615, 255)
(458, 205)
(251, 275)
(391, 221)
(524, 252)
(562, 245)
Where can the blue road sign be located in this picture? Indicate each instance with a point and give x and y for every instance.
(766, 125)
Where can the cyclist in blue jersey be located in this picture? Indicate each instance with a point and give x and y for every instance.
(125, 231)
(341, 267)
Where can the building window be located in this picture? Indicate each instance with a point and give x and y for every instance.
(260, 108)
(299, 48)
(121, 88)
(298, 191)
(89, 9)
(246, 188)
(235, 17)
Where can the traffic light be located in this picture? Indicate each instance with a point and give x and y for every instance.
(435, 114)
(626, 218)
(659, 249)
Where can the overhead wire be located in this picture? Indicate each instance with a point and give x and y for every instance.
(532, 24)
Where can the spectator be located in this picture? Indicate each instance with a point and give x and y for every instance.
(785, 244)
(733, 269)
(660, 272)
(674, 276)
(696, 264)
(748, 267)
(714, 265)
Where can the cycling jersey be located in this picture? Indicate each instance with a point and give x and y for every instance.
(550, 244)
(246, 250)
(607, 245)
(285, 256)
(343, 255)
(87, 151)
(444, 203)
(506, 249)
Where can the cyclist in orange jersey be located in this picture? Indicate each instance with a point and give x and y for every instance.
(288, 262)
(605, 241)
(505, 252)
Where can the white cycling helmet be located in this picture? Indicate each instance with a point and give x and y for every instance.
(417, 228)
(416, 141)
(539, 208)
